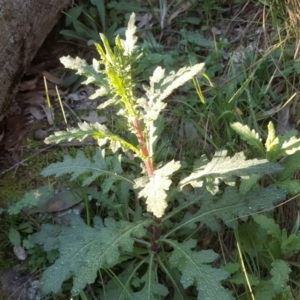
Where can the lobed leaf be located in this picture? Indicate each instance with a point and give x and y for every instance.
(154, 188)
(92, 73)
(129, 44)
(225, 168)
(195, 269)
(152, 289)
(280, 146)
(84, 250)
(232, 205)
(269, 225)
(31, 199)
(280, 275)
(95, 130)
(161, 85)
(291, 165)
(290, 245)
(265, 290)
(250, 136)
(92, 169)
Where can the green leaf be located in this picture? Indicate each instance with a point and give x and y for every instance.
(291, 165)
(152, 289)
(231, 206)
(250, 136)
(101, 11)
(249, 182)
(269, 225)
(155, 187)
(290, 245)
(287, 294)
(73, 14)
(14, 237)
(174, 276)
(31, 199)
(70, 34)
(84, 250)
(195, 269)
(292, 186)
(232, 268)
(265, 290)
(226, 168)
(91, 168)
(198, 39)
(280, 275)
(239, 278)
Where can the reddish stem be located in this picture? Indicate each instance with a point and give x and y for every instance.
(143, 146)
(150, 171)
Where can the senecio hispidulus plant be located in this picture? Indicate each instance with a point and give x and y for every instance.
(145, 251)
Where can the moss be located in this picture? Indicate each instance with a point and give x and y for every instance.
(15, 183)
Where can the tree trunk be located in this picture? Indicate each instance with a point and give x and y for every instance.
(24, 24)
(293, 8)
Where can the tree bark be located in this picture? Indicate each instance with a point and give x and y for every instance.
(24, 25)
(293, 8)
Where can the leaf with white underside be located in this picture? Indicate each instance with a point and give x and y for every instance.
(129, 44)
(95, 130)
(84, 250)
(280, 146)
(250, 136)
(226, 168)
(195, 270)
(275, 146)
(155, 187)
(162, 85)
(92, 73)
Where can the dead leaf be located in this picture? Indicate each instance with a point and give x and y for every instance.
(143, 20)
(36, 100)
(32, 94)
(94, 118)
(52, 78)
(36, 112)
(49, 113)
(268, 113)
(78, 96)
(190, 131)
(283, 121)
(38, 103)
(182, 8)
(28, 85)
